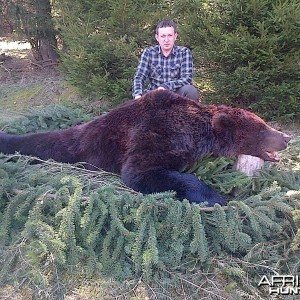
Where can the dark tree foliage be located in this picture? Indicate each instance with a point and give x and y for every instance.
(104, 40)
(246, 52)
(252, 51)
(249, 50)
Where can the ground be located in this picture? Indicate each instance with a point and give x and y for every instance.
(24, 85)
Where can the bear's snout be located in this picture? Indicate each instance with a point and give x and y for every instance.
(287, 138)
(282, 142)
(275, 140)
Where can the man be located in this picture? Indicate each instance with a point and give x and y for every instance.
(166, 66)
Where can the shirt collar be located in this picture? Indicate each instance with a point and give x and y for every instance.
(174, 49)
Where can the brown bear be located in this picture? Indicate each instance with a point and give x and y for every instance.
(149, 141)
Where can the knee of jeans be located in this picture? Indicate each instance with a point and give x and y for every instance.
(189, 91)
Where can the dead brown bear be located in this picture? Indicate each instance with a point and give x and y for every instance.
(149, 140)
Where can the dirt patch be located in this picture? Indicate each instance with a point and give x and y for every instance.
(16, 64)
(24, 84)
(15, 59)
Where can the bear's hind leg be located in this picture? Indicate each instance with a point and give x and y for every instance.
(187, 186)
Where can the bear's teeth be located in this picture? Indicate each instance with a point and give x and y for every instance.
(273, 156)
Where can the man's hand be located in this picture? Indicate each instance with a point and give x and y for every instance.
(159, 88)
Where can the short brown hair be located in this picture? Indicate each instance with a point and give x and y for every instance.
(166, 23)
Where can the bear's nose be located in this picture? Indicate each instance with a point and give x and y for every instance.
(287, 138)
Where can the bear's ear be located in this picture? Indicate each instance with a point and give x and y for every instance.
(222, 121)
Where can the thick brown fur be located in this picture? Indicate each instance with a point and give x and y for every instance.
(149, 140)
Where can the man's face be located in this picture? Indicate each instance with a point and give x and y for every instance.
(166, 38)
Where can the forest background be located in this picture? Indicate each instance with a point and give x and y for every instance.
(246, 52)
(100, 240)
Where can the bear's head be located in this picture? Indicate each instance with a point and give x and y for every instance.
(247, 134)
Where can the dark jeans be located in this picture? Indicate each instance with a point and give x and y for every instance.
(189, 91)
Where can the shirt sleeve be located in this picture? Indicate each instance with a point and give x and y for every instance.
(141, 74)
(186, 72)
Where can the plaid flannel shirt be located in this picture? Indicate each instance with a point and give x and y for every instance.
(170, 72)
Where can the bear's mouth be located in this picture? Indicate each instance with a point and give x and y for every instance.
(270, 156)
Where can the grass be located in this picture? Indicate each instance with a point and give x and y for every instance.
(24, 86)
(19, 95)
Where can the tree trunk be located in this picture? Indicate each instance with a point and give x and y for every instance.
(44, 51)
(248, 164)
(35, 21)
(44, 44)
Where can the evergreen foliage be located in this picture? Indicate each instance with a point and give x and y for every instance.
(103, 39)
(61, 225)
(246, 52)
(247, 49)
(53, 116)
(216, 171)
(252, 51)
(53, 216)
(56, 215)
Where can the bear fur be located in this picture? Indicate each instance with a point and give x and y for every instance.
(149, 141)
